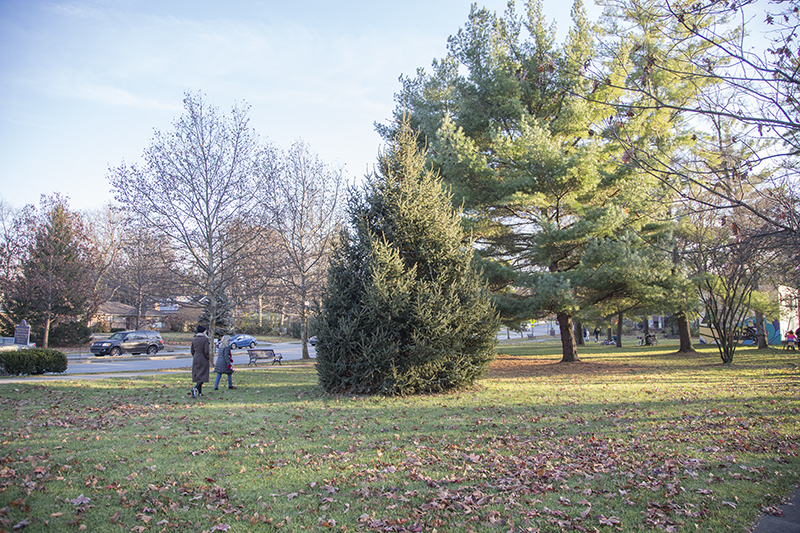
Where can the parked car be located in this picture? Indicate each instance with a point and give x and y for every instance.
(313, 340)
(135, 342)
(242, 340)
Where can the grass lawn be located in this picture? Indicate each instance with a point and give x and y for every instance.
(636, 439)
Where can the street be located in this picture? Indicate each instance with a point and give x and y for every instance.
(541, 331)
(89, 364)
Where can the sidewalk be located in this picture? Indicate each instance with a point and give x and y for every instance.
(788, 523)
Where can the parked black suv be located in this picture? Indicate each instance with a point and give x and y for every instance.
(134, 342)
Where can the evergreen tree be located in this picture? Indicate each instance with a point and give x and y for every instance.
(528, 156)
(54, 282)
(224, 324)
(406, 310)
(652, 69)
(548, 185)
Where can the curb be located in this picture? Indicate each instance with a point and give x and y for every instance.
(89, 357)
(787, 522)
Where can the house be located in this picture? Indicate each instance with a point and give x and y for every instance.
(179, 313)
(120, 316)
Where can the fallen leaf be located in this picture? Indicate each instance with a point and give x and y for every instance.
(80, 500)
(610, 521)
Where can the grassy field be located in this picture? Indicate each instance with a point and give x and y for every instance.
(637, 439)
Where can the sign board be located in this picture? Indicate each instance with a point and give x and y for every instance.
(22, 334)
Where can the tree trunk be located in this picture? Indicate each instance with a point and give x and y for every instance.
(579, 333)
(46, 336)
(646, 326)
(304, 333)
(761, 331)
(568, 347)
(619, 330)
(304, 317)
(684, 334)
(139, 311)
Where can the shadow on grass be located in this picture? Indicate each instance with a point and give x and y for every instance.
(544, 360)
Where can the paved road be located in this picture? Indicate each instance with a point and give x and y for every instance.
(89, 364)
(541, 331)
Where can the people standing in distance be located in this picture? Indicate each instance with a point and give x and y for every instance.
(201, 360)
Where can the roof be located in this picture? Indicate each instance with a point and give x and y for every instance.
(121, 309)
(116, 308)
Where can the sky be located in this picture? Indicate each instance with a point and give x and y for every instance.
(85, 83)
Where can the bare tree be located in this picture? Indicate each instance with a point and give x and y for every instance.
(305, 199)
(143, 270)
(203, 186)
(730, 276)
(108, 227)
(262, 283)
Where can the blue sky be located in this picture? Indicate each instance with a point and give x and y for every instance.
(84, 83)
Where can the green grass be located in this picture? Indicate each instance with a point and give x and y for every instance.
(632, 439)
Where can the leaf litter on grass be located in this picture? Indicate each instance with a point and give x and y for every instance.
(538, 446)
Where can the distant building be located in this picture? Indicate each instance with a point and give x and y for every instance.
(120, 316)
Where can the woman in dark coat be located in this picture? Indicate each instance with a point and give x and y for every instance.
(201, 360)
(224, 364)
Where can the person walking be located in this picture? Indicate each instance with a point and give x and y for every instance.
(201, 360)
(224, 364)
(791, 340)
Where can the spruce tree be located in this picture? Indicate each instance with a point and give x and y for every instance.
(406, 309)
(223, 313)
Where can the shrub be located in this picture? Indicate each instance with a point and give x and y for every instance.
(175, 323)
(32, 362)
(101, 327)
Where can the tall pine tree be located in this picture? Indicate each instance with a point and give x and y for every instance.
(527, 156)
(406, 310)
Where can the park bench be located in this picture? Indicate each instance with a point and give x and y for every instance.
(266, 354)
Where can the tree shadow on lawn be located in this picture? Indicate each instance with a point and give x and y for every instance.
(655, 363)
(510, 367)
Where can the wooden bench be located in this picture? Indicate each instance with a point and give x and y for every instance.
(263, 354)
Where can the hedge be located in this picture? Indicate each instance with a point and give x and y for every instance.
(34, 361)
